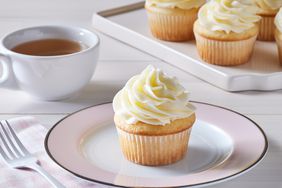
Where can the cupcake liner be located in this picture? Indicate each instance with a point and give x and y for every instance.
(154, 150)
(266, 29)
(172, 27)
(279, 45)
(225, 53)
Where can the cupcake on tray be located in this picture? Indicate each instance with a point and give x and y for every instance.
(278, 33)
(154, 118)
(226, 31)
(172, 20)
(268, 10)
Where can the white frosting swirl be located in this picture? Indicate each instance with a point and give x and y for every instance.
(229, 15)
(278, 20)
(182, 4)
(269, 4)
(153, 98)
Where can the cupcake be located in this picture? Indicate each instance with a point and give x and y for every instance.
(268, 10)
(226, 31)
(278, 33)
(153, 118)
(172, 20)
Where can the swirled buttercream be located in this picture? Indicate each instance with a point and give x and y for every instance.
(152, 97)
(229, 15)
(269, 4)
(182, 4)
(278, 20)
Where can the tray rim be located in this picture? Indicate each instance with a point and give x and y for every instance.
(232, 83)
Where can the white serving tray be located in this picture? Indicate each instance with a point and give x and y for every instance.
(129, 24)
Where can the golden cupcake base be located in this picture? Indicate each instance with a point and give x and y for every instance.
(154, 150)
(266, 28)
(171, 25)
(225, 53)
(278, 39)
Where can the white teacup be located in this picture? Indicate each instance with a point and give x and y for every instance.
(48, 77)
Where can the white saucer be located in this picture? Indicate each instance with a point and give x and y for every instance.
(223, 144)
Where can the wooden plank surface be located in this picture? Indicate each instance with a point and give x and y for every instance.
(118, 62)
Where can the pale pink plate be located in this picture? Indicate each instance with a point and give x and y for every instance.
(223, 145)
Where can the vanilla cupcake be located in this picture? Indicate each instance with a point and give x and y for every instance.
(268, 10)
(153, 118)
(172, 20)
(226, 31)
(278, 33)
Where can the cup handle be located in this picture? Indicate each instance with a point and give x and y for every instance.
(6, 79)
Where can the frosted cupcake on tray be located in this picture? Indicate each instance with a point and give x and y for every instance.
(154, 118)
(172, 20)
(268, 10)
(226, 31)
(278, 33)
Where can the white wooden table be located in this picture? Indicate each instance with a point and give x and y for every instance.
(119, 62)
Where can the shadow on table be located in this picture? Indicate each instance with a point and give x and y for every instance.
(257, 93)
(94, 93)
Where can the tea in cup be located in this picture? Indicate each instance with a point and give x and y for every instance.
(49, 62)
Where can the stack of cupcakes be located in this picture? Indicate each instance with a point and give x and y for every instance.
(225, 30)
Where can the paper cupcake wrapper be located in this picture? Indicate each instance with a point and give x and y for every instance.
(279, 45)
(154, 150)
(225, 53)
(266, 29)
(172, 27)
